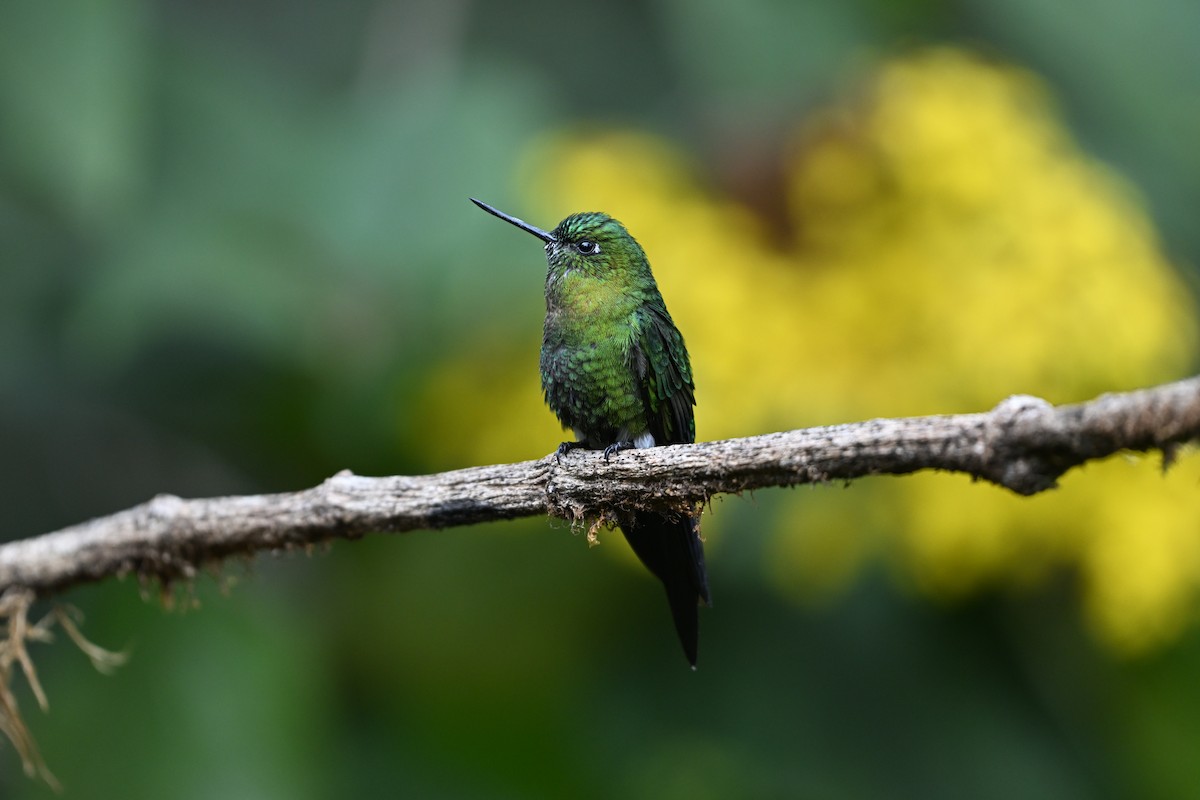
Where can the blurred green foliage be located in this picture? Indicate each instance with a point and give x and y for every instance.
(238, 256)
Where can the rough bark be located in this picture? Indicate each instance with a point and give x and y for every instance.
(1024, 444)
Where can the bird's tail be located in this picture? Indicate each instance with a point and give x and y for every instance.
(670, 547)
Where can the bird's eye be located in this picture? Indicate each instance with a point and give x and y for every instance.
(587, 247)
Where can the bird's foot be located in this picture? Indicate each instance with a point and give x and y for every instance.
(565, 448)
(617, 447)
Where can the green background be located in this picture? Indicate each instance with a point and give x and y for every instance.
(235, 241)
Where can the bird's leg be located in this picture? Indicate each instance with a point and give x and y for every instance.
(617, 447)
(565, 448)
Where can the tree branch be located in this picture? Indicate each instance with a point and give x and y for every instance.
(1024, 444)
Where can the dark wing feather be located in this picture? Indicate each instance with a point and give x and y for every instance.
(665, 376)
(669, 545)
(671, 548)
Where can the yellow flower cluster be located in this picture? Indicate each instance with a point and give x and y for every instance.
(951, 246)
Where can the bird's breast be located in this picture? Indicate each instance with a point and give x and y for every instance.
(589, 385)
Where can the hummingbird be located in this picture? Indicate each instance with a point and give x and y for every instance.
(615, 371)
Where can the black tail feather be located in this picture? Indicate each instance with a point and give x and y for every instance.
(671, 548)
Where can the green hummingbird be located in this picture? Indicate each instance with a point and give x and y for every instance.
(615, 371)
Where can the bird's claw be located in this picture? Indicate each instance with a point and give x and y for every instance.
(616, 447)
(565, 448)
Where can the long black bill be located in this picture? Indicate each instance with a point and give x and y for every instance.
(520, 223)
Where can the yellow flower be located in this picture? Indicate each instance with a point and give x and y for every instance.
(953, 245)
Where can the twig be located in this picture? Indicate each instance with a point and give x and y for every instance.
(14, 606)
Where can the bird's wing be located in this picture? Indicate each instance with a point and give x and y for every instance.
(665, 376)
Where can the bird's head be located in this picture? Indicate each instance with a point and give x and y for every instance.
(591, 242)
